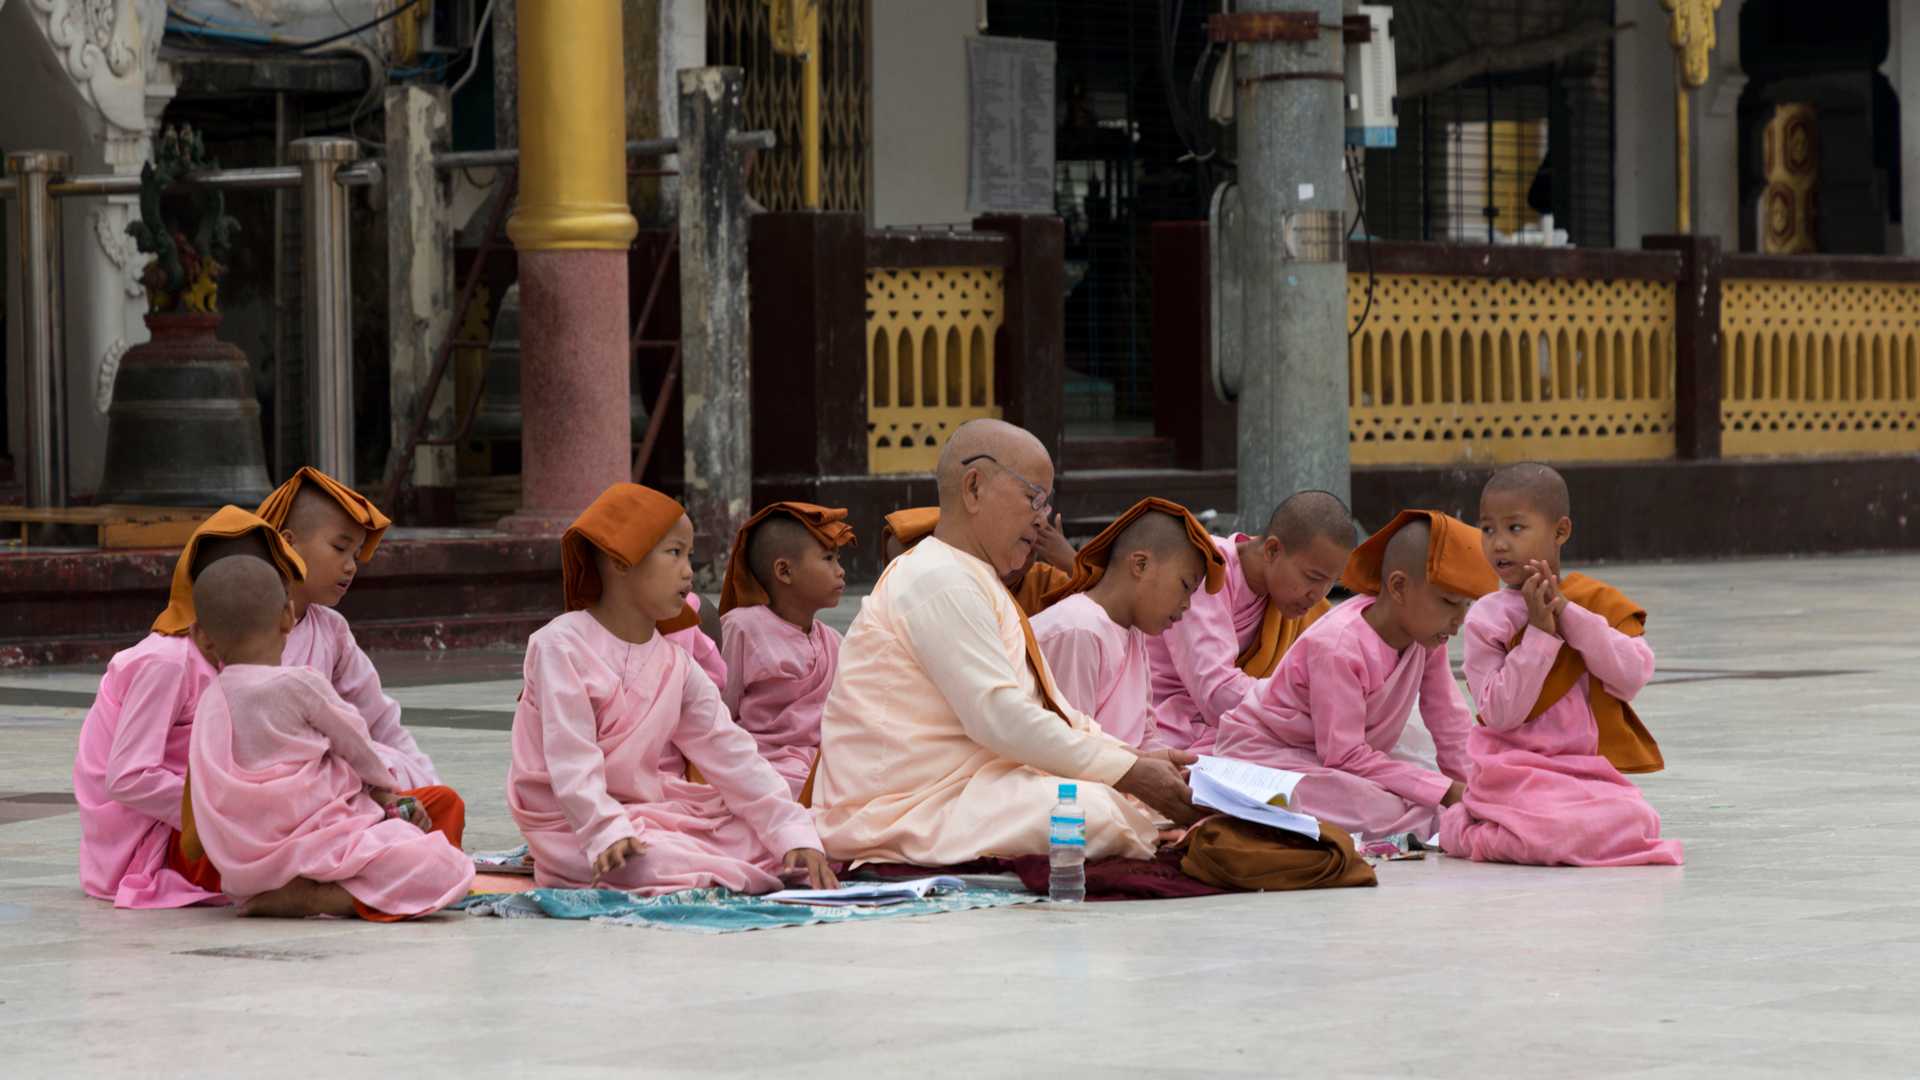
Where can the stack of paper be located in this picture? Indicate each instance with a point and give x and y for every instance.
(1249, 792)
(871, 893)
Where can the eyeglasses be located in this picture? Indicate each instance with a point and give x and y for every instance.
(1039, 498)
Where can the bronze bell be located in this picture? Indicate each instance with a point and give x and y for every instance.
(184, 426)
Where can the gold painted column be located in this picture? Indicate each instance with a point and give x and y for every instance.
(572, 228)
(1691, 34)
(795, 28)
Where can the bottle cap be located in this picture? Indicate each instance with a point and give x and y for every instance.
(1069, 791)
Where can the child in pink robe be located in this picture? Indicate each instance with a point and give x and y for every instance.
(291, 795)
(1336, 708)
(697, 642)
(784, 569)
(1276, 586)
(336, 530)
(612, 716)
(129, 770)
(1547, 660)
(1130, 584)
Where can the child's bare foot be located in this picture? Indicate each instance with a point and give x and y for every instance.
(300, 899)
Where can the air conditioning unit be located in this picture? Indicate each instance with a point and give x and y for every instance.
(450, 26)
(1372, 112)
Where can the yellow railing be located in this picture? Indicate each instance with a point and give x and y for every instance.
(1456, 369)
(929, 359)
(1819, 367)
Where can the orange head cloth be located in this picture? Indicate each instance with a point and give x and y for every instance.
(1090, 563)
(227, 523)
(1455, 561)
(740, 588)
(364, 514)
(910, 526)
(627, 522)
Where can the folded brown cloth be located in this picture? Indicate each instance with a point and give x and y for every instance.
(1234, 854)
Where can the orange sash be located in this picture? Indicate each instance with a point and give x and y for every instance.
(1041, 580)
(1624, 740)
(1277, 635)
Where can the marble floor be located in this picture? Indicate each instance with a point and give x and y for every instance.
(1788, 706)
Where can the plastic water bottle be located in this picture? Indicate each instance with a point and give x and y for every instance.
(1067, 848)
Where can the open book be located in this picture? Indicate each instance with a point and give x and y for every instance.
(870, 893)
(1249, 792)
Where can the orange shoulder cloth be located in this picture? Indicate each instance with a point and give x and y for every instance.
(1624, 740)
(1277, 635)
(1036, 590)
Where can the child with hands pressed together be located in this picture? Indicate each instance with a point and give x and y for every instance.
(614, 717)
(1553, 663)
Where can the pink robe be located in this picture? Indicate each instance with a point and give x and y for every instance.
(601, 742)
(280, 770)
(1196, 671)
(777, 682)
(1100, 666)
(130, 770)
(700, 646)
(1335, 710)
(321, 640)
(1540, 792)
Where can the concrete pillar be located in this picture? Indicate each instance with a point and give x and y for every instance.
(715, 392)
(1290, 263)
(1716, 137)
(572, 228)
(1643, 171)
(420, 292)
(1903, 70)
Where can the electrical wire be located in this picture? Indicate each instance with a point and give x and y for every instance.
(1354, 158)
(473, 64)
(361, 29)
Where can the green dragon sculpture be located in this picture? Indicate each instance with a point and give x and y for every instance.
(184, 273)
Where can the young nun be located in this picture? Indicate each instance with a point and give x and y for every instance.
(336, 530)
(129, 773)
(613, 716)
(783, 571)
(292, 798)
(1049, 565)
(1554, 663)
(1276, 586)
(1130, 583)
(1336, 708)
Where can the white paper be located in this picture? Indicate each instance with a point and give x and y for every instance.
(870, 893)
(1244, 790)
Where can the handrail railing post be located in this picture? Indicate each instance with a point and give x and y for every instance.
(43, 329)
(328, 315)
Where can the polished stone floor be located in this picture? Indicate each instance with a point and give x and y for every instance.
(1788, 705)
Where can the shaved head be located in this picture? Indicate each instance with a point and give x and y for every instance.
(1407, 550)
(1307, 516)
(211, 550)
(1540, 487)
(779, 537)
(1158, 534)
(315, 511)
(238, 598)
(1003, 442)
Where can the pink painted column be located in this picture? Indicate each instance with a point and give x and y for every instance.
(572, 228)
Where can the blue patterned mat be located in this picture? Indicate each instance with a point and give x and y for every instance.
(716, 911)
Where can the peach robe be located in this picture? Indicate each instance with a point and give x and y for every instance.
(130, 772)
(1335, 710)
(601, 743)
(936, 745)
(322, 640)
(1100, 666)
(1196, 671)
(281, 765)
(1540, 792)
(777, 683)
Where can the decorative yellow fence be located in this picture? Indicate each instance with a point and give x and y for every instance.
(1819, 367)
(930, 359)
(1453, 369)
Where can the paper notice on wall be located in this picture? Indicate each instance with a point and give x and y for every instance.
(1010, 93)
